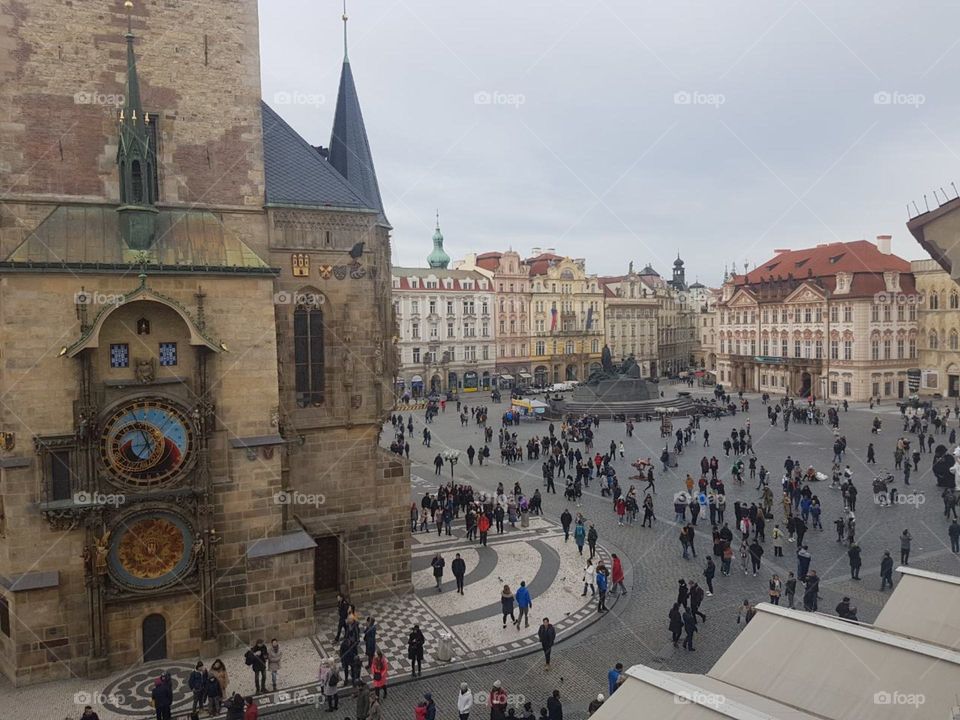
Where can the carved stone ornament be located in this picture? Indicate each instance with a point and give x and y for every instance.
(8, 441)
(146, 371)
(356, 401)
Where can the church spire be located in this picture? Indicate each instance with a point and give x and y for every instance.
(349, 148)
(344, 16)
(136, 157)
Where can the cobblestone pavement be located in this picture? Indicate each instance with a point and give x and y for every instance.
(636, 630)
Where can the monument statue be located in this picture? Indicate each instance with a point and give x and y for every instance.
(606, 360)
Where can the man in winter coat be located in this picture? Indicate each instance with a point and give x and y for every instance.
(547, 634)
(162, 696)
(565, 521)
(198, 686)
(438, 563)
(524, 604)
(554, 707)
(363, 699)
(854, 554)
(592, 537)
(459, 568)
(602, 591)
(886, 571)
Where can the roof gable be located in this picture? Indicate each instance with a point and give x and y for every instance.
(296, 174)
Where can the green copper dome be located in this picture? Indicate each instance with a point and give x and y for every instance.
(438, 258)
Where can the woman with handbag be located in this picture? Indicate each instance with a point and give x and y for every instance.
(379, 669)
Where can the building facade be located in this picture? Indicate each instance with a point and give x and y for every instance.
(837, 321)
(446, 329)
(567, 314)
(511, 281)
(938, 325)
(191, 339)
(704, 301)
(631, 316)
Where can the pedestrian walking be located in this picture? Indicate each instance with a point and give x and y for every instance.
(853, 553)
(709, 573)
(886, 571)
(274, 659)
(415, 643)
(676, 623)
(601, 591)
(379, 669)
(506, 605)
(689, 627)
(464, 701)
(616, 575)
(547, 634)
(524, 605)
(790, 589)
(592, 537)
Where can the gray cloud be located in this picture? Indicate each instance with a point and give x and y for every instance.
(618, 130)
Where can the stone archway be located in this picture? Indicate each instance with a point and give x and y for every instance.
(154, 636)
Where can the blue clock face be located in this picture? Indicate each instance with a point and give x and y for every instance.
(146, 442)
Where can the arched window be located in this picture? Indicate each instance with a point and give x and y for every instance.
(933, 340)
(954, 340)
(136, 181)
(954, 300)
(308, 354)
(934, 301)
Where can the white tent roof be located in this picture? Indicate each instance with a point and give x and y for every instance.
(916, 609)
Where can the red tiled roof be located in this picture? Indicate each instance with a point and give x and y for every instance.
(538, 265)
(860, 256)
(489, 260)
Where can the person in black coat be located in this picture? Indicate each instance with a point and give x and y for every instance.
(554, 706)
(676, 623)
(689, 627)
(547, 634)
(198, 686)
(459, 569)
(162, 696)
(415, 643)
(370, 640)
(682, 592)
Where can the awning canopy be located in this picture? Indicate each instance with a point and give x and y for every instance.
(524, 374)
(416, 379)
(506, 377)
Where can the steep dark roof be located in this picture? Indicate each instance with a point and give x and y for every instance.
(296, 174)
(349, 148)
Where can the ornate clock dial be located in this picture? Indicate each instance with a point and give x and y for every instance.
(146, 442)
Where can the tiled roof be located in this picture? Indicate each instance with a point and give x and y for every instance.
(860, 256)
(296, 174)
(458, 276)
(489, 260)
(538, 265)
(349, 147)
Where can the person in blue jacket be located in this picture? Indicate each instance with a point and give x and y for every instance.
(524, 603)
(580, 535)
(602, 591)
(613, 678)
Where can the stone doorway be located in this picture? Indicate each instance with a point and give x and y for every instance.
(154, 638)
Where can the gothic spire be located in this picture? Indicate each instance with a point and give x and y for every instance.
(349, 148)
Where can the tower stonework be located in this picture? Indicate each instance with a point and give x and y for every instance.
(191, 411)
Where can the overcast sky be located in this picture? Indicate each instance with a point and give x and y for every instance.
(620, 130)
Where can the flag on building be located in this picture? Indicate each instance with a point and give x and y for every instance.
(553, 318)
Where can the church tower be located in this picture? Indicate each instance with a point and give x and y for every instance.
(438, 257)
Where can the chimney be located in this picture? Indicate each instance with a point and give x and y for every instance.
(883, 244)
(535, 251)
(552, 251)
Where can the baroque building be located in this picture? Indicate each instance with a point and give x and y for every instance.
(630, 310)
(445, 322)
(938, 326)
(567, 315)
(195, 319)
(836, 321)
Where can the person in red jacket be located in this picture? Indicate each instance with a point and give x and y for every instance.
(617, 576)
(621, 508)
(483, 525)
(378, 670)
(252, 712)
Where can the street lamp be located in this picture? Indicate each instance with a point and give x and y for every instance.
(451, 456)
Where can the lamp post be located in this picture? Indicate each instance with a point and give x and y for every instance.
(451, 456)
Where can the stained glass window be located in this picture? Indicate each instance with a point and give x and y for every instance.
(168, 354)
(119, 355)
